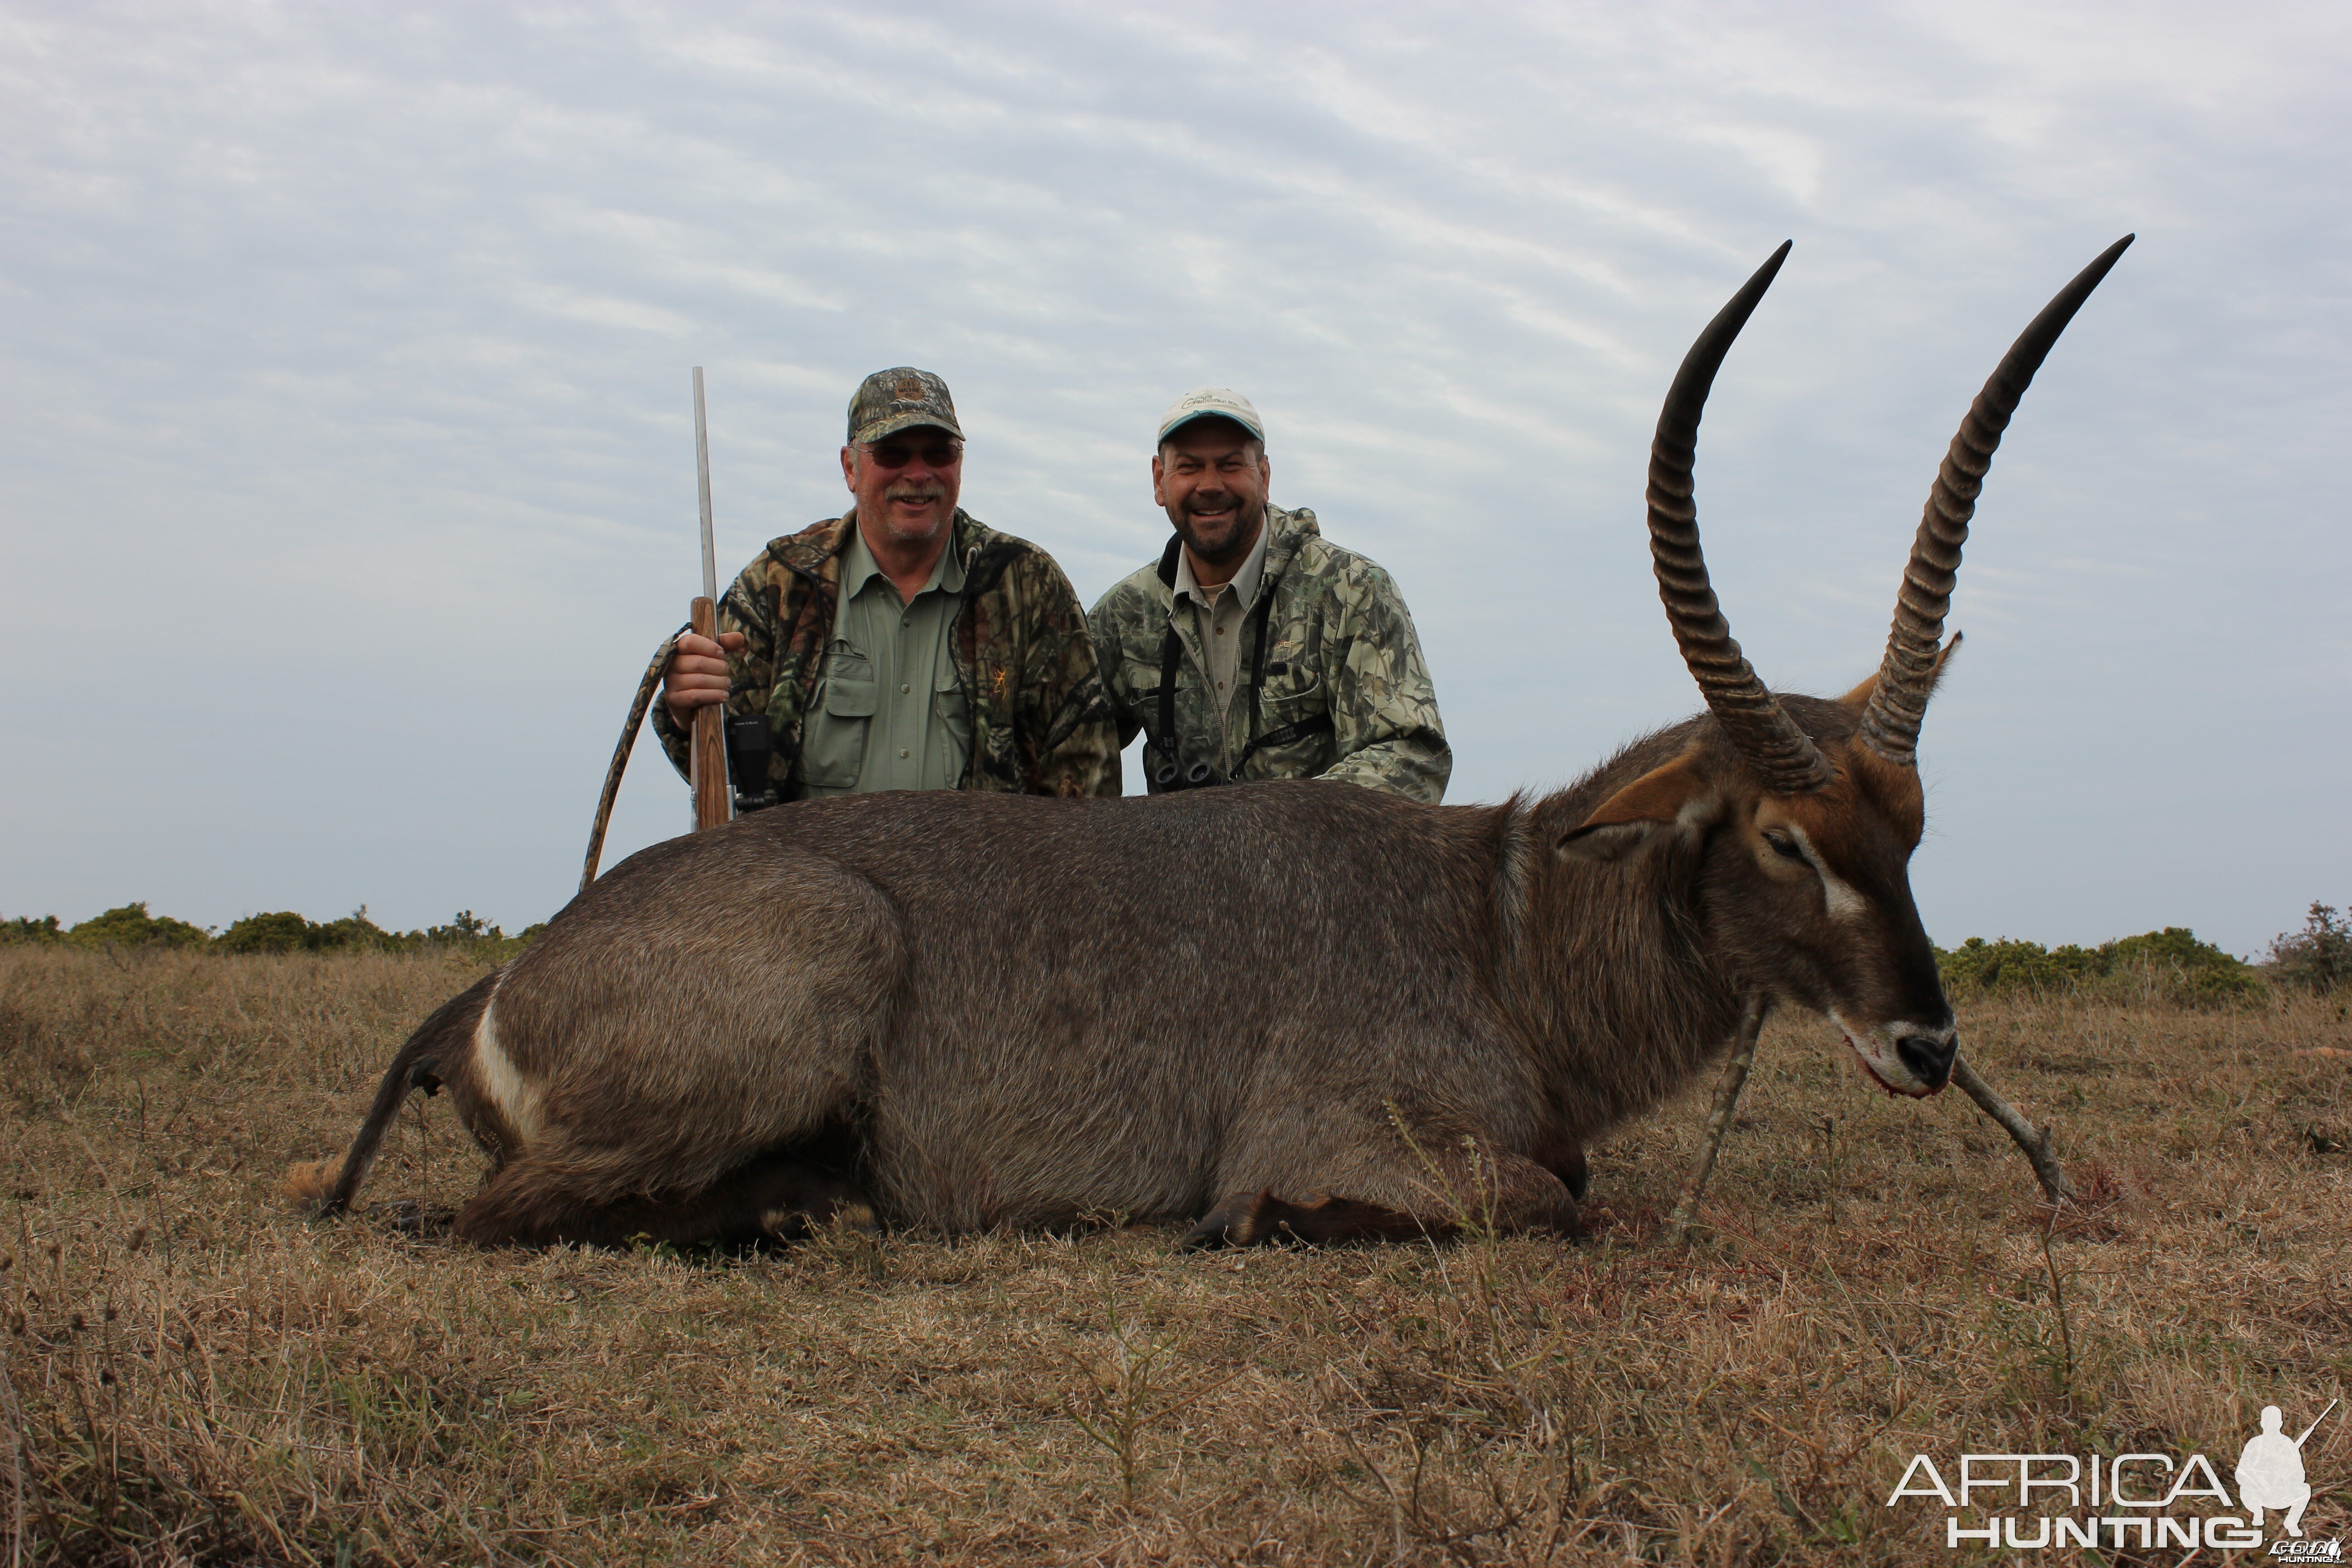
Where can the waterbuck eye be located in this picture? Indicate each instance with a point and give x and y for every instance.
(1786, 847)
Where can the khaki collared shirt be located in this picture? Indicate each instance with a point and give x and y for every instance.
(1216, 617)
(890, 713)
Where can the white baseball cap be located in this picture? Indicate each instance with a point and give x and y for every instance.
(1212, 402)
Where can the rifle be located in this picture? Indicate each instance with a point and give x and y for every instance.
(707, 756)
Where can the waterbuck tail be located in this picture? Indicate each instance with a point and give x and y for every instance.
(1890, 725)
(434, 1053)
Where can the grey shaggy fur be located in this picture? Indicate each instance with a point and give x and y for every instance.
(975, 1010)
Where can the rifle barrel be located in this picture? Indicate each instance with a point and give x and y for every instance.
(702, 473)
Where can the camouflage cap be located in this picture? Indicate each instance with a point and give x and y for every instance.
(1212, 402)
(890, 401)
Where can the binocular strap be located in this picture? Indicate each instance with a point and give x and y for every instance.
(1171, 655)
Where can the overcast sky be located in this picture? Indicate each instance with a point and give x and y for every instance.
(346, 441)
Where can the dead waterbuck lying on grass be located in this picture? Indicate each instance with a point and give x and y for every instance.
(1288, 1007)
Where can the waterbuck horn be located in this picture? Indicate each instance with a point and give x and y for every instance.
(1748, 713)
(1890, 725)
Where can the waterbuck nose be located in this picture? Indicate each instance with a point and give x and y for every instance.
(1929, 1057)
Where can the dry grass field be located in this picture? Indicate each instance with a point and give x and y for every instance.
(195, 1375)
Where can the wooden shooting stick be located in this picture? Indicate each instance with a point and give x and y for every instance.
(2033, 1141)
(713, 807)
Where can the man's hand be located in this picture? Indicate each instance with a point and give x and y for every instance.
(697, 676)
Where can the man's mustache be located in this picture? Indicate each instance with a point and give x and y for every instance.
(915, 492)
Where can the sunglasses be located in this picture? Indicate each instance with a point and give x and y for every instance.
(898, 454)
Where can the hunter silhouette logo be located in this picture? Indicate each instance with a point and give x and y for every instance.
(2270, 1471)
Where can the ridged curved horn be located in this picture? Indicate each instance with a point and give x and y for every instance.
(1749, 714)
(1890, 725)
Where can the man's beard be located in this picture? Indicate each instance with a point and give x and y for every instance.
(916, 493)
(1245, 519)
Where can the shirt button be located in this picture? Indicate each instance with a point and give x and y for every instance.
(902, 753)
(904, 688)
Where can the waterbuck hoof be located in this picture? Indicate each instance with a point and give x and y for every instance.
(1259, 1219)
(795, 1224)
(406, 1216)
(1236, 1222)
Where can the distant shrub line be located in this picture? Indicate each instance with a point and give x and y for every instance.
(280, 932)
(2171, 964)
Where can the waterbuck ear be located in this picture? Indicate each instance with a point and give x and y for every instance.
(1678, 797)
(1859, 698)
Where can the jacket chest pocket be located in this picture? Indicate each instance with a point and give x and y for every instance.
(1294, 721)
(1293, 689)
(833, 749)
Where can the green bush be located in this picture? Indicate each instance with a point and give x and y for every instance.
(2316, 958)
(283, 932)
(2171, 963)
(464, 927)
(133, 926)
(354, 930)
(25, 928)
(286, 932)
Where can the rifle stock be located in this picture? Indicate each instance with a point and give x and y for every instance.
(713, 803)
(709, 765)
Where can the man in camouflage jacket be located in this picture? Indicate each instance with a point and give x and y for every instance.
(1018, 642)
(1322, 675)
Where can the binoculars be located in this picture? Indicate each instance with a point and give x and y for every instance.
(750, 746)
(1170, 775)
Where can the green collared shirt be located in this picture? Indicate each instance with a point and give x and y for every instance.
(890, 713)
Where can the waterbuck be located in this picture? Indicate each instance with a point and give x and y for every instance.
(1300, 1009)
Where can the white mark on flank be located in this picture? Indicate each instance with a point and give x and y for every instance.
(503, 1084)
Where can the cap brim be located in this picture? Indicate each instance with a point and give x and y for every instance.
(1226, 414)
(882, 429)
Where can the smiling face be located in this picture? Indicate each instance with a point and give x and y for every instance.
(1211, 476)
(906, 484)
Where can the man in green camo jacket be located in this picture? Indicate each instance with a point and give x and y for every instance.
(1253, 648)
(902, 645)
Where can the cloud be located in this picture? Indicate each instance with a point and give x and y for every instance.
(345, 453)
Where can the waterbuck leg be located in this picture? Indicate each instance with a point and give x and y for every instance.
(1249, 1219)
(2035, 1142)
(1718, 1122)
(774, 1196)
(1444, 1189)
